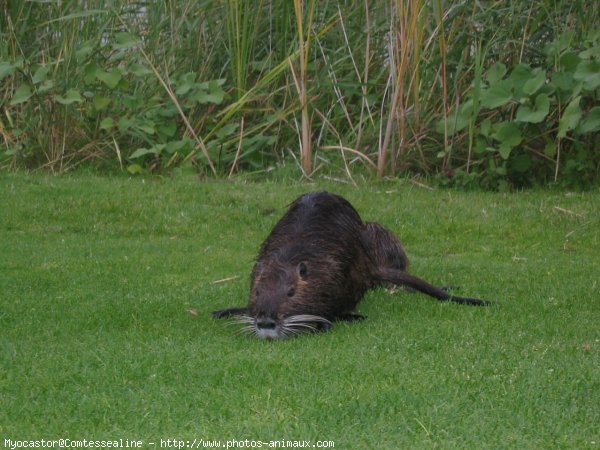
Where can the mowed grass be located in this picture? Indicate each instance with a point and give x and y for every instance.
(98, 277)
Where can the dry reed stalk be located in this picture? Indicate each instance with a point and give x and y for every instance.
(239, 148)
(405, 44)
(301, 82)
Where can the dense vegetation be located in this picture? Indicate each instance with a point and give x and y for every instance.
(494, 94)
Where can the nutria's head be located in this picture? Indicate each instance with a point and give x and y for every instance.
(286, 298)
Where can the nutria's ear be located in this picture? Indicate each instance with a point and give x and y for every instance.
(302, 270)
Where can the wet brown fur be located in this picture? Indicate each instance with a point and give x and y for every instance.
(319, 260)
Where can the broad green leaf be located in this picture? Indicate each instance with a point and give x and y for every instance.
(72, 96)
(570, 117)
(125, 123)
(100, 102)
(593, 52)
(183, 144)
(45, 86)
(563, 80)
(520, 75)
(504, 150)
(184, 88)
(167, 129)
(84, 50)
(497, 95)
(134, 169)
(532, 85)
(480, 145)
(507, 133)
(537, 114)
(185, 83)
(458, 119)
(591, 121)
(124, 40)
(215, 90)
(501, 169)
(169, 110)
(589, 73)
(147, 127)
(110, 79)
(142, 152)
(569, 61)
(107, 124)
(227, 130)
(6, 69)
(40, 74)
(214, 87)
(206, 84)
(133, 102)
(547, 88)
(496, 73)
(22, 94)
(89, 73)
(559, 45)
(486, 127)
(550, 50)
(566, 86)
(209, 97)
(188, 77)
(565, 40)
(139, 70)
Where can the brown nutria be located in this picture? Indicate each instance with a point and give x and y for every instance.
(317, 264)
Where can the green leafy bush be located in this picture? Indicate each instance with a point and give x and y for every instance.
(113, 94)
(527, 124)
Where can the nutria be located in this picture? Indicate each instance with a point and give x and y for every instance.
(317, 264)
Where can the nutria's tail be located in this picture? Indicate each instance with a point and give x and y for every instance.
(401, 278)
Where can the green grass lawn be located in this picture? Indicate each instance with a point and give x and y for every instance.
(98, 277)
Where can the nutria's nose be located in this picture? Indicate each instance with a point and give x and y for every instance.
(265, 323)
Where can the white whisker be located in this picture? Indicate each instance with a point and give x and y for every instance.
(247, 330)
(299, 326)
(306, 318)
(242, 320)
(286, 332)
(292, 325)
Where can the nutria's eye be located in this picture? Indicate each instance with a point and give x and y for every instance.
(302, 270)
(291, 292)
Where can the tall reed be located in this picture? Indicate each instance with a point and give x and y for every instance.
(243, 26)
(304, 20)
(405, 45)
